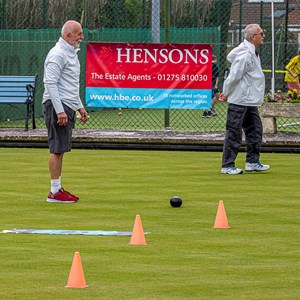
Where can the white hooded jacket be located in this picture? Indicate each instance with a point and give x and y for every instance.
(245, 84)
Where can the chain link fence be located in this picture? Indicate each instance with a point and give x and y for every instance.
(30, 28)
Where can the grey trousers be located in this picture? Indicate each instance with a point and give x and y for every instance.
(242, 118)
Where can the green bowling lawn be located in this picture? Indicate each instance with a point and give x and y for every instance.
(185, 257)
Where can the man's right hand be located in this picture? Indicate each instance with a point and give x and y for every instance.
(62, 119)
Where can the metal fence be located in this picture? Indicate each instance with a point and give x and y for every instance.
(30, 28)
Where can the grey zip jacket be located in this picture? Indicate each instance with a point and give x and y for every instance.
(61, 77)
(245, 84)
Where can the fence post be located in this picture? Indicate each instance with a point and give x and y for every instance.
(241, 21)
(44, 14)
(196, 17)
(167, 41)
(143, 14)
(3, 14)
(155, 21)
(116, 14)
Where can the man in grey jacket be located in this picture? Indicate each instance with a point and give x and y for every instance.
(244, 89)
(61, 100)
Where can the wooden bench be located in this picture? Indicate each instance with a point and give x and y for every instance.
(19, 90)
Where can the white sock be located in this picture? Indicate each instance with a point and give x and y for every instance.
(55, 185)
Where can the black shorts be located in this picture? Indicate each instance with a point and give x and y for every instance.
(59, 137)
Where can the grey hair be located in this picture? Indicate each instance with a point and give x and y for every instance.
(250, 30)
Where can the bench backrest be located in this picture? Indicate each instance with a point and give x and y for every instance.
(17, 89)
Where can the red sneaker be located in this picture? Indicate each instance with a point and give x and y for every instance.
(71, 195)
(62, 197)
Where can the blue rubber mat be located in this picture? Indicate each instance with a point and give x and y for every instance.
(68, 232)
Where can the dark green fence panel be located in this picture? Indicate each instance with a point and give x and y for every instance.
(29, 28)
(23, 53)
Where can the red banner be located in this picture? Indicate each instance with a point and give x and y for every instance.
(148, 65)
(149, 75)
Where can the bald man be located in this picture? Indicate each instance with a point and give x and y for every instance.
(61, 100)
(244, 89)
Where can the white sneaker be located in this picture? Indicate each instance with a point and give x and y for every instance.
(257, 167)
(231, 171)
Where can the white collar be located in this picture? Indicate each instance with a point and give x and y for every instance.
(250, 46)
(69, 48)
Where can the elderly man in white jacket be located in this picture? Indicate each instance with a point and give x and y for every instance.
(244, 89)
(61, 100)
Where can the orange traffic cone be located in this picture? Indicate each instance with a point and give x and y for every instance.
(137, 235)
(221, 218)
(76, 277)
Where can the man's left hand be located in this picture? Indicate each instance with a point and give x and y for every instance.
(83, 115)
